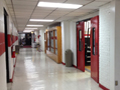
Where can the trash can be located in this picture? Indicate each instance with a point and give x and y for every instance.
(68, 58)
(17, 48)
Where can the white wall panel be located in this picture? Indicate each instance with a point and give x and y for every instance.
(41, 39)
(106, 46)
(3, 85)
(65, 38)
(73, 41)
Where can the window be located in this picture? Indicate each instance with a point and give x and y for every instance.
(80, 40)
(93, 39)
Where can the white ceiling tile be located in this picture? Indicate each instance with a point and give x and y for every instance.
(82, 2)
(8, 1)
(75, 14)
(24, 3)
(96, 3)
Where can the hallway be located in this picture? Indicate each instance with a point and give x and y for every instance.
(35, 71)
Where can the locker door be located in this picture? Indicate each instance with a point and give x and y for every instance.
(94, 42)
(80, 46)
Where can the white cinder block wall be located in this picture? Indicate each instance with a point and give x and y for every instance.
(117, 43)
(65, 38)
(106, 45)
(73, 41)
(41, 39)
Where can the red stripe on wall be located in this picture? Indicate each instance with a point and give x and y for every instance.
(9, 40)
(2, 43)
(104, 88)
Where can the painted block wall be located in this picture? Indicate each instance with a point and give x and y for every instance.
(41, 39)
(117, 43)
(3, 84)
(106, 45)
(65, 38)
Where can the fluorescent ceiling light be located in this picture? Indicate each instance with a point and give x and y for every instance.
(36, 25)
(41, 20)
(31, 28)
(27, 30)
(59, 5)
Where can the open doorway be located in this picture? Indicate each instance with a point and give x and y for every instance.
(88, 46)
(6, 45)
(87, 27)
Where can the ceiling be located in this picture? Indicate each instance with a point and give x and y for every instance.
(23, 10)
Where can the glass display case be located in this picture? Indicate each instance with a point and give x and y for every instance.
(54, 45)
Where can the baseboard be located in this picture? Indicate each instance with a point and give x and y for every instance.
(74, 66)
(104, 88)
(63, 63)
(11, 80)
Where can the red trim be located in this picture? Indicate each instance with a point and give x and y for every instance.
(2, 43)
(104, 88)
(9, 40)
(63, 63)
(11, 80)
(86, 34)
(74, 66)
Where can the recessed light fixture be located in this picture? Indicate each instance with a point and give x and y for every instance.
(41, 20)
(27, 30)
(31, 28)
(59, 5)
(35, 25)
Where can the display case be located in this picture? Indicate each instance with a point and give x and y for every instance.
(54, 44)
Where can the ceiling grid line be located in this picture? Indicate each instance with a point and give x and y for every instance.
(75, 9)
(54, 10)
(32, 13)
(23, 10)
(14, 14)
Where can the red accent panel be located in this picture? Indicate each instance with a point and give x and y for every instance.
(95, 56)
(104, 88)
(2, 43)
(11, 80)
(9, 40)
(86, 34)
(63, 63)
(80, 46)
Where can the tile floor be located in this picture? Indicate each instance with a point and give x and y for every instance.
(35, 71)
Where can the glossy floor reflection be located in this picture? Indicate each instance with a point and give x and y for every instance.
(35, 71)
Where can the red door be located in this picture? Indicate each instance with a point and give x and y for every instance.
(94, 42)
(80, 46)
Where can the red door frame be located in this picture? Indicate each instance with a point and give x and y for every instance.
(95, 54)
(80, 46)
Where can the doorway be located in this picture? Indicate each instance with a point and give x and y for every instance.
(87, 27)
(88, 46)
(6, 45)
